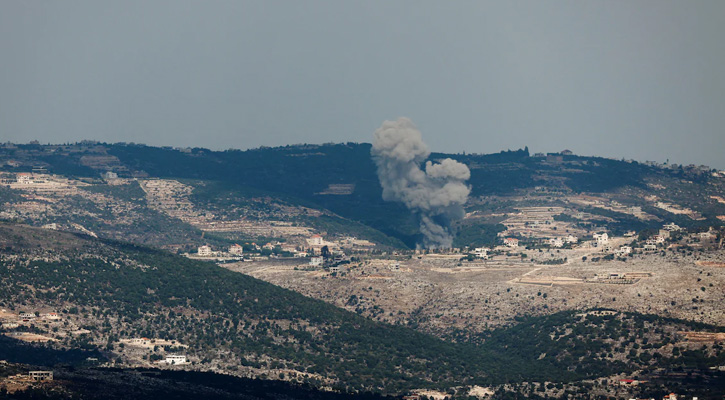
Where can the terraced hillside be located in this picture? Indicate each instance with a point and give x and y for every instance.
(75, 292)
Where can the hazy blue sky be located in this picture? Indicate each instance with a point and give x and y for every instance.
(633, 79)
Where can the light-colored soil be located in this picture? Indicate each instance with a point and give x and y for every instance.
(442, 294)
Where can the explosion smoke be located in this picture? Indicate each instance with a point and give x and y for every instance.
(436, 194)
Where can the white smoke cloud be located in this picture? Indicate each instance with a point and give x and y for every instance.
(436, 194)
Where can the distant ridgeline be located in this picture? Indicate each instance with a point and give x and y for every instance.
(342, 177)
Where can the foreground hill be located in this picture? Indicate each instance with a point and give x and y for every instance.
(108, 291)
(137, 384)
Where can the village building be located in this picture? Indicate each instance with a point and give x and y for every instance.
(316, 261)
(315, 240)
(26, 316)
(204, 251)
(41, 375)
(571, 239)
(672, 227)
(172, 359)
(236, 250)
(511, 242)
(623, 251)
(601, 239)
(24, 178)
(51, 316)
(556, 242)
(334, 269)
(109, 175)
(481, 252)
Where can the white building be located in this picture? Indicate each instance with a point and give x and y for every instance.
(571, 239)
(204, 251)
(236, 250)
(511, 242)
(623, 251)
(172, 359)
(672, 227)
(556, 242)
(316, 261)
(481, 252)
(41, 375)
(24, 178)
(51, 316)
(601, 239)
(315, 240)
(109, 175)
(26, 316)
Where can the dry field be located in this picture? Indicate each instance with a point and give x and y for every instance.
(442, 295)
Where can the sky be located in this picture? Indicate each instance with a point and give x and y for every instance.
(640, 80)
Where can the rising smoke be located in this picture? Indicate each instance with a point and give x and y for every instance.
(436, 194)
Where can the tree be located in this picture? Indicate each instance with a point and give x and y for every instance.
(325, 252)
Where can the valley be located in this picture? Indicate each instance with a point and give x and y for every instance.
(566, 274)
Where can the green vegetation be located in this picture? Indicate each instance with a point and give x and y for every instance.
(476, 235)
(145, 292)
(298, 175)
(127, 192)
(128, 291)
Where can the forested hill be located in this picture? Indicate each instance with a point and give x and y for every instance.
(107, 291)
(228, 320)
(313, 175)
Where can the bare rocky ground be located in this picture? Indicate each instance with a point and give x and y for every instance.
(442, 295)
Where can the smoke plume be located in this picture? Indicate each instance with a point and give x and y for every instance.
(436, 193)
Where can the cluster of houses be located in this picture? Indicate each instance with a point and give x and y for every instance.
(312, 246)
(561, 241)
(150, 344)
(19, 382)
(26, 317)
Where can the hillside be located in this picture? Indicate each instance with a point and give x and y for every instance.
(107, 292)
(334, 189)
(137, 384)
